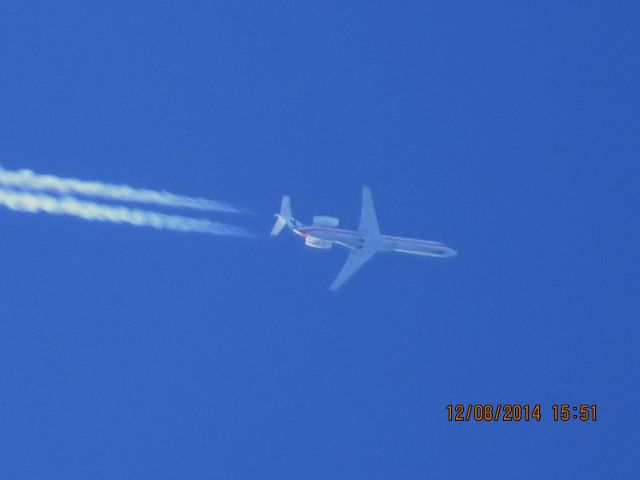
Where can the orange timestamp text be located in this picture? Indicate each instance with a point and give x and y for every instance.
(517, 412)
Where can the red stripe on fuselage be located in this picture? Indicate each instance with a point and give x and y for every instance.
(327, 229)
(309, 231)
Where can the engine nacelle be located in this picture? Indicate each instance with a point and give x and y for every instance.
(324, 221)
(317, 243)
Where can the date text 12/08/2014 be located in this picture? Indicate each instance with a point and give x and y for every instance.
(515, 412)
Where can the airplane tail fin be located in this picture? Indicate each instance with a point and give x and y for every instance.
(284, 217)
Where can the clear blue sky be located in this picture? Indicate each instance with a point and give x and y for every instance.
(508, 130)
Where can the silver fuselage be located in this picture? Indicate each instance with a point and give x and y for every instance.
(352, 239)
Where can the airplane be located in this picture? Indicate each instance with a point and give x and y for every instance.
(364, 242)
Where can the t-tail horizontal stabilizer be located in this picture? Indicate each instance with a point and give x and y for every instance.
(284, 217)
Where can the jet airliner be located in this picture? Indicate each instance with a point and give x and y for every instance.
(363, 243)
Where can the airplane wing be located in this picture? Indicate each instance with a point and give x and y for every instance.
(368, 219)
(357, 258)
(370, 233)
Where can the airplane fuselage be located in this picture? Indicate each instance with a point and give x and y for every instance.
(363, 243)
(353, 239)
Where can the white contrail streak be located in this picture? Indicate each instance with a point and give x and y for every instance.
(29, 180)
(35, 202)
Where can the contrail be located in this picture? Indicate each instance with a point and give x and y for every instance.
(36, 202)
(29, 180)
